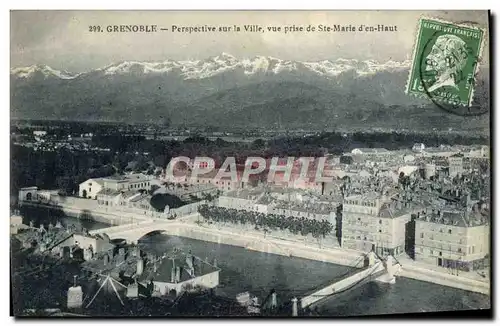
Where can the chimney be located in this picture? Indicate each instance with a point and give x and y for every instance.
(294, 307)
(274, 301)
(177, 274)
(140, 266)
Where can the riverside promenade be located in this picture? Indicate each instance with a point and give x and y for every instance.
(469, 281)
(251, 240)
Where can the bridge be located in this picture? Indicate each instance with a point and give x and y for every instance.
(382, 270)
(134, 231)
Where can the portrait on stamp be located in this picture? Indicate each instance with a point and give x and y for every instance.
(445, 60)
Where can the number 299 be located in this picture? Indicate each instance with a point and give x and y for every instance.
(95, 29)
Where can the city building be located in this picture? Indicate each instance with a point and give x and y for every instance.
(456, 165)
(376, 221)
(178, 272)
(28, 194)
(453, 237)
(418, 147)
(370, 151)
(306, 209)
(241, 199)
(91, 187)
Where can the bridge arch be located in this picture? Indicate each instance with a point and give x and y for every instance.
(153, 232)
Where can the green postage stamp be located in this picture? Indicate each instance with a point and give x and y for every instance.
(445, 61)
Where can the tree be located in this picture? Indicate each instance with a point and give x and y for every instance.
(153, 189)
(258, 144)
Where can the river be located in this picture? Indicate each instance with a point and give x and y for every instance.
(259, 273)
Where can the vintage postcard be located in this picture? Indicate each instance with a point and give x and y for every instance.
(250, 163)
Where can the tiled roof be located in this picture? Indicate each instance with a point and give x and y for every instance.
(108, 192)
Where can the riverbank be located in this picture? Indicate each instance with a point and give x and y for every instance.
(410, 268)
(256, 242)
(102, 216)
(465, 280)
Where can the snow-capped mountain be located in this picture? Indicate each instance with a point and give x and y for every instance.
(212, 66)
(42, 70)
(224, 90)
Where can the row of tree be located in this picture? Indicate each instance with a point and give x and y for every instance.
(267, 222)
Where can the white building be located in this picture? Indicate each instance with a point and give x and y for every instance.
(39, 135)
(178, 274)
(408, 158)
(241, 199)
(90, 188)
(429, 170)
(418, 147)
(375, 221)
(28, 194)
(452, 238)
(370, 151)
(456, 165)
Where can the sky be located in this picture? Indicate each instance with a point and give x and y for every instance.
(61, 39)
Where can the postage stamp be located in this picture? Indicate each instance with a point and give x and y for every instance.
(445, 60)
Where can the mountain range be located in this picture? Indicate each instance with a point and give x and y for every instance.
(226, 91)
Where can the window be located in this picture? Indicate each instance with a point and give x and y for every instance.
(432, 252)
(380, 231)
(421, 250)
(90, 189)
(422, 235)
(459, 249)
(440, 253)
(379, 221)
(90, 184)
(449, 231)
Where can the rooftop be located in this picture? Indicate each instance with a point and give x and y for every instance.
(250, 194)
(108, 192)
(308, 207)
(180, 259)
(371, 150)
(456, 217)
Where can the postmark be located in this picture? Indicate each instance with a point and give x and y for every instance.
(444, 65)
